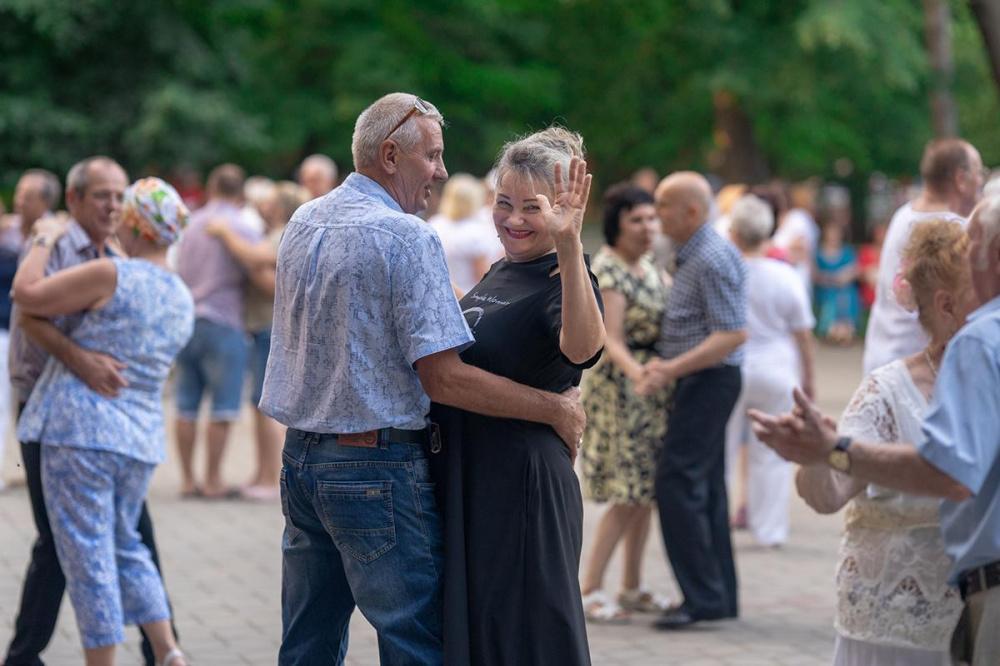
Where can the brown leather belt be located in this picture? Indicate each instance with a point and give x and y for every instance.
(978, 580)
(372, 438)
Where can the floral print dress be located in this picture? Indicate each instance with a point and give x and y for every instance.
(625, 431)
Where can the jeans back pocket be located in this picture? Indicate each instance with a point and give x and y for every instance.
(358, 516)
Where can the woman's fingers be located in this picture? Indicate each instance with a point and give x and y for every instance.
(560, 189)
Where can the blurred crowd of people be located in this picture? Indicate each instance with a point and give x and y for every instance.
(710, 300)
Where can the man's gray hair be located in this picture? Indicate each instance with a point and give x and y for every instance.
(375, 123)
(751, 221)
(50, 190)
(988, 212)
(535, 156)
(78, 178)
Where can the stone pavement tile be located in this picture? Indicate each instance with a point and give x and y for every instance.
(222, 563)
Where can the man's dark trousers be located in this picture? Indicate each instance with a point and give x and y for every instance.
(691, 492)
(44, 582)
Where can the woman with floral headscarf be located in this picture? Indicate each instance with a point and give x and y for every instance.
(99, 453)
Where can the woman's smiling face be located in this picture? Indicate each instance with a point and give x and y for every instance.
(518, 218)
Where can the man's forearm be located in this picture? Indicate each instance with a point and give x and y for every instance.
(710, 352)
(472, 389)
(901, 467)
(43, 333)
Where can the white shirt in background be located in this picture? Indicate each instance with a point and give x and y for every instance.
(777, 307)
(464, 242)
(798, 226)
(894, 333)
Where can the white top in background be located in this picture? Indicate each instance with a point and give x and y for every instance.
(464, 242)
(777, 306)
(894, 333)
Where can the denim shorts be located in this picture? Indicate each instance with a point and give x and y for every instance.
(261, 343)
(213, 362)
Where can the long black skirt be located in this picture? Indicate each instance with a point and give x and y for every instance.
(513, 517)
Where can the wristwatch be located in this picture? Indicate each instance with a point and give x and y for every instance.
(43, 241)
(839, 458)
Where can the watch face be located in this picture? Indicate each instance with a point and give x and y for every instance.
(840, 461)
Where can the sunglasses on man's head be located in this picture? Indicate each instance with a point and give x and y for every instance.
(419, 106)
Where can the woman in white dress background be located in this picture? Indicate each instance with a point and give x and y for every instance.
(470, 243)
(894, 605)
(779, 357)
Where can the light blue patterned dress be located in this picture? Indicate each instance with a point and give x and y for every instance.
(99, 453)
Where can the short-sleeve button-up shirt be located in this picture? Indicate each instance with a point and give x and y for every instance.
(216, 279)
(27, 360)
(362, 293)
(962, 439)
(709, 295)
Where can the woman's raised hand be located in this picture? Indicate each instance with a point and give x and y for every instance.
(564, 219)
(51, 227)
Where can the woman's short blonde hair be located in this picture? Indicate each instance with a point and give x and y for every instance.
(936, 257)
(535, 156)
(463, 196)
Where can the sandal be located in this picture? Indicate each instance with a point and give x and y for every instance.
(194, 493)
(644, 601)
(599, 609)
(173, 656)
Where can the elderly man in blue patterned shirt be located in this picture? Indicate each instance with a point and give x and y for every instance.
(958, 459)
(702, 332)
(366, 331)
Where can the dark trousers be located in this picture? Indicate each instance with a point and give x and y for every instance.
(44, 582)
(691, 492)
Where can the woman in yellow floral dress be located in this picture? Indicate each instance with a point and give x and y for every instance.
(624, 431)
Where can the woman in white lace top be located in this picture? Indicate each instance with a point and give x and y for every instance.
(894, 606)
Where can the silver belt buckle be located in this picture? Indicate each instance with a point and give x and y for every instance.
(435, 438)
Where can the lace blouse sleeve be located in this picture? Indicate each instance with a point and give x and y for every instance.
(869, 415)
(869, 418)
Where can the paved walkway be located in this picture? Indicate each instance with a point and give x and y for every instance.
(222, 565)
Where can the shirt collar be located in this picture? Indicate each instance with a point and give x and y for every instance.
(369, 187)
(78, 238)
(80, 241)
(691, 245)
(985, 309)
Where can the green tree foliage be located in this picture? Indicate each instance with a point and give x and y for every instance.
(265, 82)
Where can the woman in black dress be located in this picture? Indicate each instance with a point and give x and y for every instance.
(512, 503)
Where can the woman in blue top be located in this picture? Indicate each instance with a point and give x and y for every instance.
(99, 453)
(838, 305)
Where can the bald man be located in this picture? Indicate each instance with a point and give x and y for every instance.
(318, 174)
(703, 330)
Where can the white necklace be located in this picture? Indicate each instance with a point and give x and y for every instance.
(927, 357)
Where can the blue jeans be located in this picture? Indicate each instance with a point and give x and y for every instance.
(361, 528)
(214, 362)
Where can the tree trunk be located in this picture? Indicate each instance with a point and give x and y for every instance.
(937, 25)
(987, 13)
(737, 157)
